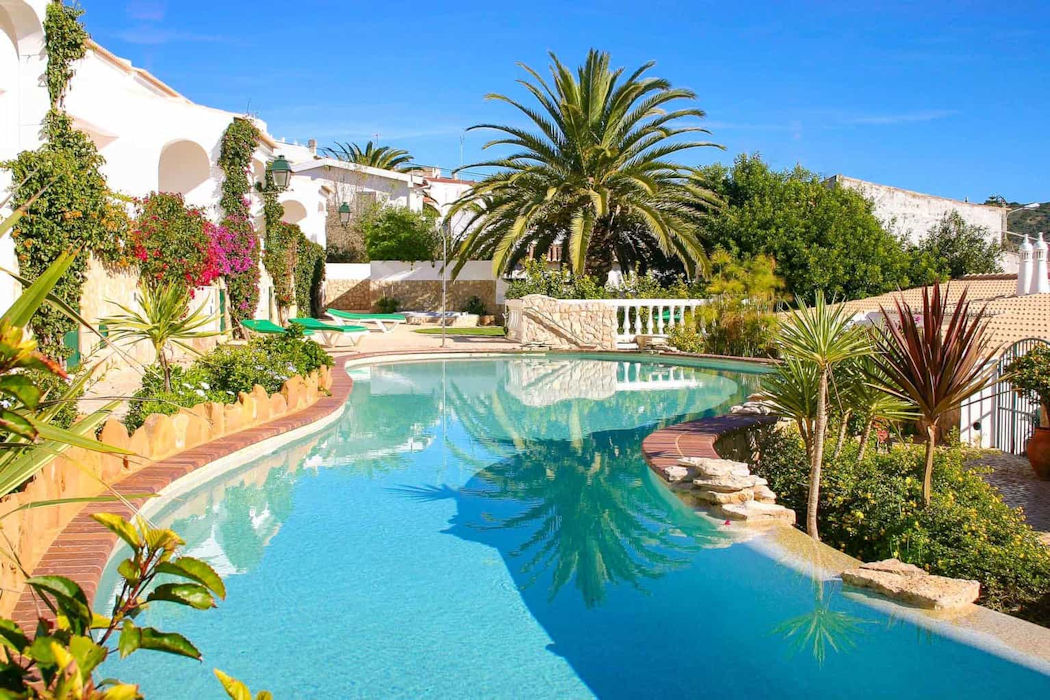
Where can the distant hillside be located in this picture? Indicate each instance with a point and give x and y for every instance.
(1027, 221)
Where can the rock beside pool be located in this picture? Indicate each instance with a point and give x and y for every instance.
(910, 584)
(758, 513)
(712, 467)
(727, 484)
(675, 473)
(754, 408)
(721, 497)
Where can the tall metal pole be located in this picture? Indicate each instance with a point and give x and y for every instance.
(444, 280)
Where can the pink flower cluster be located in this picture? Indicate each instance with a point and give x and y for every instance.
(230, 246)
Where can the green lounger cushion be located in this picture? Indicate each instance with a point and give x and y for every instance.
(261, 325)
(313, 324)
(350, 316)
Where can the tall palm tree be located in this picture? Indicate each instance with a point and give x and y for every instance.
(594, 173)
(382, 157)
(935, 361)
(823, 336)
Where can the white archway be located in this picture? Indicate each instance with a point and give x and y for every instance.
(294, 212)
(183, 168)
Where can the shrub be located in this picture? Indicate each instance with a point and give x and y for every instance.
(1030, 375)
(388, 305)
(225, 372)
(173, 242)
(685, 337)
(475, 306)
(873, 509)
(398, 233)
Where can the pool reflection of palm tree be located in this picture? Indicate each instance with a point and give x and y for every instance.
(821, 629)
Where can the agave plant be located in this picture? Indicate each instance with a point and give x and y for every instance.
(382, 157)
(593, 173)
(935, 360)
(821, 336)
(165, 320)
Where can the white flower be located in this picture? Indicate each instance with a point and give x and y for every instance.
(200, 392)
(205, 385)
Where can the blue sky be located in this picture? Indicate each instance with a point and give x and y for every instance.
(948, 98)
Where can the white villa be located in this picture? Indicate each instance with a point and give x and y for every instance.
(155, 139)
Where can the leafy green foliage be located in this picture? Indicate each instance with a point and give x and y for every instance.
(594, 171)
(279, 259)
(172, 243)
(953, 248)
(398, 233)
(474, 305)
(382, 157)
(872, 508)
(309, 276)
(1030, 374)
(388, 305)
(739, 320)
(239, 142)
(556, 283)
(822, 238)
(70, 211)
(223, 373)
(59, 660)
(66, 42)
(685, 337)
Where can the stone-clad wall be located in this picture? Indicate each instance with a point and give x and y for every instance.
(80, 473)
(348, 295)
(562, 323)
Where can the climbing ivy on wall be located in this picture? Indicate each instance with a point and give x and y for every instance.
(309, 276)
(75, 211)
(280, 260)
(235, 158)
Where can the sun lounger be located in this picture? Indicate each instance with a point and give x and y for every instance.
(384, 322)
(334, 335)
(265, 327)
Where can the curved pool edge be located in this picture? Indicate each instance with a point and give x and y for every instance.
(83, 549)
(1010, 637)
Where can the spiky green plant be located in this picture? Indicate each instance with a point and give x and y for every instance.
(594, 172)
(821, 335)
(382, 157)
(935, 360)
(165, 320)
(863, 394)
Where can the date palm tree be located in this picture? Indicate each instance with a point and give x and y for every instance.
(593, 173)
(165, 320)
(382, 157)
(934, 360)
(823, 337)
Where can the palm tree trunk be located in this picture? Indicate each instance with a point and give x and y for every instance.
(600, 253)
(864, 437)
(927, 477)
(818, 456)
(842, 434)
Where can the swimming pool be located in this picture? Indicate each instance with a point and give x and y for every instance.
(488, 528)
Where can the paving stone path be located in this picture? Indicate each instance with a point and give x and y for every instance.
(1014, 478)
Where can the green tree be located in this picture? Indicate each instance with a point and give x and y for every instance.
(953, 248)
(382, 157)
(821, 237)
(594, 173)
(397, 233)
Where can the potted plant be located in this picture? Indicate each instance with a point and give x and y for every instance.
(1030, 376)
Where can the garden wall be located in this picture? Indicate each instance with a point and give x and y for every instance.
(566, 324)
(80, 473)
(417, 285)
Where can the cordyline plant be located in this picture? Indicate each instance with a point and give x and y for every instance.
(934, 360)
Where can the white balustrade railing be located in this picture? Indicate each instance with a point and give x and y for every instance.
(654, 317)
(513, 312)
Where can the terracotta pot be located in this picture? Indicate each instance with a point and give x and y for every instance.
(1039, 452)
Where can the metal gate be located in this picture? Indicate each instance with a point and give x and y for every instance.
(1014, 417)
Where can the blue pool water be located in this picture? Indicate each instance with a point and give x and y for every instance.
(487, 528)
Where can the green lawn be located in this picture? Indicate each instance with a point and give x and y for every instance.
(480, 330)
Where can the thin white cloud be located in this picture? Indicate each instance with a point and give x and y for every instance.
(927, 115)
(155, 36)
(146, 10)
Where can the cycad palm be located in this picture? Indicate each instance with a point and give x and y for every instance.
(382, 157)
(823, 336)
(593, 172)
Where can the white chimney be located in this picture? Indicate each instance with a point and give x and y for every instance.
(1039, 284)
(1024, 267)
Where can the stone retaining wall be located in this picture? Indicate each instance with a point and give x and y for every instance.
(563, 324)
(80, 473)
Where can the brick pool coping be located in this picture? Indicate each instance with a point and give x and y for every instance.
(695, 438)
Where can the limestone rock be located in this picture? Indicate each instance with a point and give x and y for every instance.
(713, 467)
(910, 584)
(722, 497)
(756, 512)
(727, 484)
(675, 473)
(764, 494)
